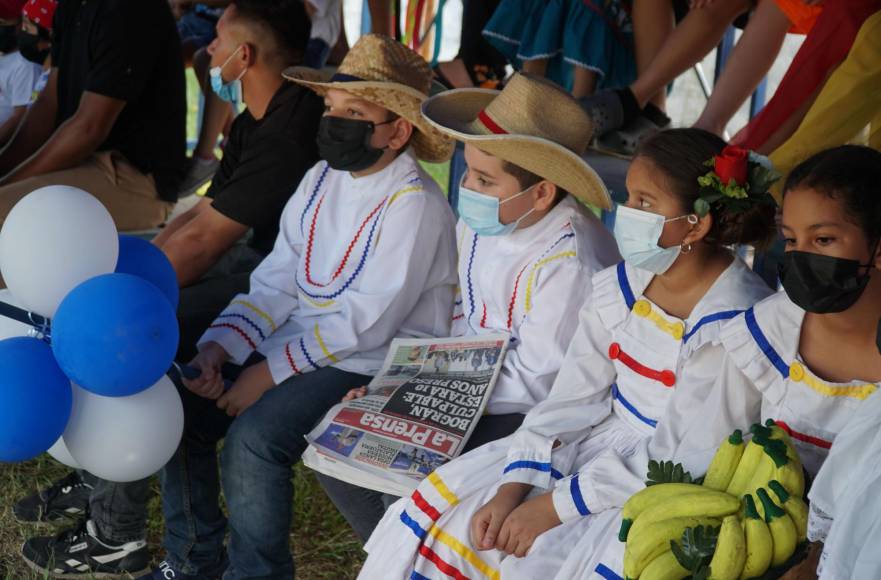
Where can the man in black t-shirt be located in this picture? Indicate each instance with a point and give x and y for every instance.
(271, 146)
(112, 118)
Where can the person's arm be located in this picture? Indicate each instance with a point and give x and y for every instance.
(199, 240)
(73, 141)
(35, 129)
(10, 126)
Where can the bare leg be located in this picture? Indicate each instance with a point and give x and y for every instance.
(537, 67)
(750, 60)
(380, 17)
(456, 73)
(693, 39)
(216, 114)
(652, 26)
(585, 82)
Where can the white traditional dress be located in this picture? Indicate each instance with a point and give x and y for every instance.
(626, 360)
(762, 377)
(846, 492)
(358, 262)
(528, 283)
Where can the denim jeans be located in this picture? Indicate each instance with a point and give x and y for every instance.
(260, 448)
(363, 508)
(118, 509)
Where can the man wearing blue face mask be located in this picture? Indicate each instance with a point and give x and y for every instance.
(527, 249)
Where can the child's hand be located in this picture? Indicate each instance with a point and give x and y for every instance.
(528, 521)
(487, 521)
(247, 390)
(209, 383)
(355, 394)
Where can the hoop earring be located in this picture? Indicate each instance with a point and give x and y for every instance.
(685, 248)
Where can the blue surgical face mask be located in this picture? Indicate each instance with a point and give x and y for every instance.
(481, 211)
(230, 92)
(637, 233)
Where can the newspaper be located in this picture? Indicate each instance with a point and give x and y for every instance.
(418, 414)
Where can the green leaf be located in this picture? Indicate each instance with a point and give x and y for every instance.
(702, 573)
(701, 207)
(666, 472)
(695, 549)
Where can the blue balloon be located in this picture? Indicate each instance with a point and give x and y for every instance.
(141, 258)
(35, 399)
(115, 335)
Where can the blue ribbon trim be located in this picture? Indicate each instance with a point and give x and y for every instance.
(624, 283)
(616, 394)
(536, 465)
(763, 343)
(575, 490)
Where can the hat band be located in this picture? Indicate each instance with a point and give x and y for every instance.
(490, 124)
(344, 78)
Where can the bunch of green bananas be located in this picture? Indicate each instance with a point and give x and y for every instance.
(744, 538)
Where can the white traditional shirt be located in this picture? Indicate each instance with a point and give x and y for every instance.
(846, 492)
(528, 283)
(358, 262)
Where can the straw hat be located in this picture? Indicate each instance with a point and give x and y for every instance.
(532, 123)
(387, 73)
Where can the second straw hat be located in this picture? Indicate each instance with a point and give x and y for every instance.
(532, 123)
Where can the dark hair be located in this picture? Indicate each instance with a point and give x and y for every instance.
(280, 27)
(528, 179)
(681, 154)
(849, 173)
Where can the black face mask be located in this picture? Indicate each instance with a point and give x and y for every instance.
(822, 284)
(345, 143)
(7, 38)
(28, 46)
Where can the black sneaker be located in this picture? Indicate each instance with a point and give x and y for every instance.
(66, 499)
(80, 553)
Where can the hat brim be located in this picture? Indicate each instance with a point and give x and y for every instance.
(429, 144)
(453, 113)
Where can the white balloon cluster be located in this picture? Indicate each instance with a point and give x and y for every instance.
(52, 241)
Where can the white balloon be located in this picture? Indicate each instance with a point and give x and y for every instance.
(60, 453)
(125, 438)
(10, 328)
(54, 239)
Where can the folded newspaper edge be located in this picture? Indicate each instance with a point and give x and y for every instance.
(420, 411)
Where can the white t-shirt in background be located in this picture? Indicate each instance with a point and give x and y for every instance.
(18, 81)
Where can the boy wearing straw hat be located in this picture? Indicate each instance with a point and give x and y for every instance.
(527, 250)
(365, 253)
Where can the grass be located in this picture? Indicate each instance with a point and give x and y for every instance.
(324, 546)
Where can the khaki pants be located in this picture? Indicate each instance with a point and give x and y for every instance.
(129, 195)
